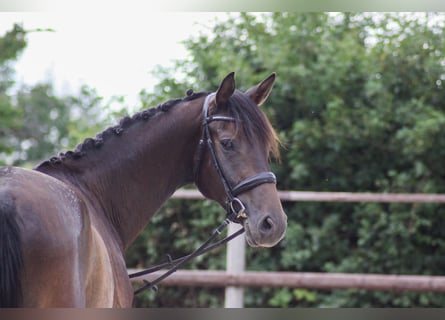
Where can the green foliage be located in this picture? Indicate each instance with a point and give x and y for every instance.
(11, 45)
(39, 123)
(360, 106)
(35, 123)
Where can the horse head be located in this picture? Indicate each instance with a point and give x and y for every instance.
(233, 160)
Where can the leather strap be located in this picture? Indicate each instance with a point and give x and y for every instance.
(254, 181)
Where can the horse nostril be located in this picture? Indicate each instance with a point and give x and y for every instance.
(267, 224)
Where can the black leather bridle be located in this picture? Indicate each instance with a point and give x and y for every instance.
(236, 211)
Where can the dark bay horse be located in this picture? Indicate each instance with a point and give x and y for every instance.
(64, 226)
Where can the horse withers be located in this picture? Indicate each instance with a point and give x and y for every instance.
(65, 225)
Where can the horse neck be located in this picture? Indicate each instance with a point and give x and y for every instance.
(132, 175)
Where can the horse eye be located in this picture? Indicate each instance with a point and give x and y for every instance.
(227, 144)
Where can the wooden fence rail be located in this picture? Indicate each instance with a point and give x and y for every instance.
(337, 196)
(200, 278)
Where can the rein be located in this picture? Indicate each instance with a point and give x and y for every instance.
(236, 210)
(174, 265)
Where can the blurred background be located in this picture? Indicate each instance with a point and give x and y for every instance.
(359, 104)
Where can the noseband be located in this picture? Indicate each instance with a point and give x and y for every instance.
(236, 211)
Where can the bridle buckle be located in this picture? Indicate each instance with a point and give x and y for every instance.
(240, 212)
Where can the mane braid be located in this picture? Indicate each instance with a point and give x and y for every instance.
(124, 123)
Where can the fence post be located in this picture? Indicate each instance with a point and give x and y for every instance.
(235, 263)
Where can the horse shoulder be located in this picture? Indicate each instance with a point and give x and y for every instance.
(100, 285)
(108, 284)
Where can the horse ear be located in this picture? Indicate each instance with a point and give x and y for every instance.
(261, 91)
(226, 89)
